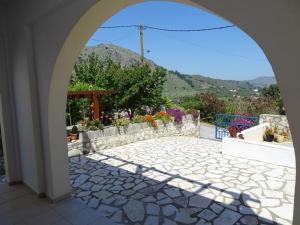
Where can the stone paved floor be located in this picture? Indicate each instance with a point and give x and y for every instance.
(182, 180)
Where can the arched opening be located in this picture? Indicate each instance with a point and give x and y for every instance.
(58, 86)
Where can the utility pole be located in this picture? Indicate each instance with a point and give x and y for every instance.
(141, 29)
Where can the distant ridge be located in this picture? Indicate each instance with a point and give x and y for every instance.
(178, 84)
(263, 81)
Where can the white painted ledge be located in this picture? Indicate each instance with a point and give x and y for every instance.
(261, 151)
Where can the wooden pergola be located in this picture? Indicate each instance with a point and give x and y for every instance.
(93, 95)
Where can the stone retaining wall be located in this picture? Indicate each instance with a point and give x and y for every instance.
(280, 121)
(113, 136)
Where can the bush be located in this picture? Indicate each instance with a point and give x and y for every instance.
(189, 102)
(93, 128)
(168, 103)
(151, 121)
(252, 105)
(163, 116)
(177, 114)
(93, 124)
(74, 130)
(195, 113)
(121, 122)
(138, 119)
(210, 105)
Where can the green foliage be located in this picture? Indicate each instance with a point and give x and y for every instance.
(77, 109)
(163, 116)
(93, 124)
(138, 119)
(121, 122)
(273, 92)
(210, 105)
(252, 105)
(168, 103)
(93, 128)
(189, 102)
(74, 130)
(80, 86)
(135, 85)
(269, 131)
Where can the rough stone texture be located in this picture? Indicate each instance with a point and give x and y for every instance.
(228, 217)
(113, 136)
(182, 180)
(280, 121)
(134, 210)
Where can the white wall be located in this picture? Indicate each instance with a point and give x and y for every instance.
(255, 133)
(261, 151)
(7, 117)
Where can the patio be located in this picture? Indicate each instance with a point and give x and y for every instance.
(182, 180)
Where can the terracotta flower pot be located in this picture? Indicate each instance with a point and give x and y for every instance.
(73, 137)
(68, 139)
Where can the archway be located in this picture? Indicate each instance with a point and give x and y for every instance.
(81, 31)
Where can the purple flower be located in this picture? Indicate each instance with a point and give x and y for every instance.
(177, 114)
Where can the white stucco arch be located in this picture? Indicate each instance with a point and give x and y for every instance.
(267, 28)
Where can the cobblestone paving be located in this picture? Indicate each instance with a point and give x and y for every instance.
(182, 180)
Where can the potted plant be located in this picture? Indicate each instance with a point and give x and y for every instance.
(233, 131)
(279, 138)
(269, 135)
(74, 133)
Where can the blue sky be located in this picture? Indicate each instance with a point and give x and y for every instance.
(225, 54)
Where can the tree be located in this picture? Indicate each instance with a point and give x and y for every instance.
(210, 105)
(136, 85)
(189, 102)
(273, 92)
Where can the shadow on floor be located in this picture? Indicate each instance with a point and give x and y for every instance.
(131, 193)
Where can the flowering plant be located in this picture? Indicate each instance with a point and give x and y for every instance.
(121, 122)
(150, 120)
(238, 125)
(177, 114)
(163, 116)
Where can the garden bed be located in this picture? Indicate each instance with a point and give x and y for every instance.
(113, 136)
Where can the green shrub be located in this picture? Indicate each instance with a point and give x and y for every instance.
(93, 128)
(138, 119)
(121, 122)
(74, 130)
(163, 116)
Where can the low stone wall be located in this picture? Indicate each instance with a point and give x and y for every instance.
(280, 121)
(112, 136)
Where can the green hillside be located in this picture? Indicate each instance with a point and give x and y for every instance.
(178, 84)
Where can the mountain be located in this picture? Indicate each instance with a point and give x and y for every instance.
(178, 84)
(118, 54)
(263, 81)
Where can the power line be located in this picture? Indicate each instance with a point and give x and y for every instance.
(212, 49)
(167, 29)
(189, 30)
